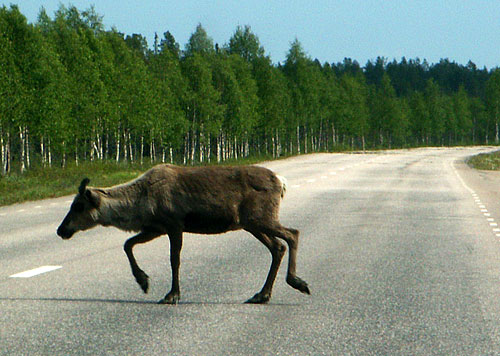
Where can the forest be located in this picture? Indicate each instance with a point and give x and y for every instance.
(71, 91)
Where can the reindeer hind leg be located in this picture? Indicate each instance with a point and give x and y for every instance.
(291, 236)
(277, 250)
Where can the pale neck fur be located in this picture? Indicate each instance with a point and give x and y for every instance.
(119, 206)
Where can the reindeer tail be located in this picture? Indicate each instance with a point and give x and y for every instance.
(284, 184)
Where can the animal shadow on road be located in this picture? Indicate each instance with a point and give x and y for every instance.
(138, 302)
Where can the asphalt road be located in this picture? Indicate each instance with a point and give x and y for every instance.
(401, 250)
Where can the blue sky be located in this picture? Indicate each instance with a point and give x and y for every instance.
(328, 30)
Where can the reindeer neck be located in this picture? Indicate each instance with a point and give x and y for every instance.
(119, 206)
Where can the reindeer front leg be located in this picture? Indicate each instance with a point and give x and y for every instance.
(140, 276)
(175, 261)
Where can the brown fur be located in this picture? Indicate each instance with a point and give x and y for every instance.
(171, 200)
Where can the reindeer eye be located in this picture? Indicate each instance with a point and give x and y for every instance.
(78, 207)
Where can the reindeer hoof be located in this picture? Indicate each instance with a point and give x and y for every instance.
(259, 298)
(170, 298)
(142, 279)
(298, 284)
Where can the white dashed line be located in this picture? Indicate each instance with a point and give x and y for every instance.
(35, 272)
(480, 205)
(311, 180)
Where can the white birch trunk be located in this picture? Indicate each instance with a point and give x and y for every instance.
(49, 153)
(142, 150)
(22, 152)
(28, 161)
(118, 147)
(130, 151)
(298, 139)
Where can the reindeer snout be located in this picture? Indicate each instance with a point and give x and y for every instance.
(64, 232)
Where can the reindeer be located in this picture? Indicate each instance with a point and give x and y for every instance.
(172, 200)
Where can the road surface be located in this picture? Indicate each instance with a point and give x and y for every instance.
(401, 250)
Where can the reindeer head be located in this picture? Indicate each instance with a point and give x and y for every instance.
(83, 212)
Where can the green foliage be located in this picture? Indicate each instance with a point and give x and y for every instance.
(72, 92)
(199, 42)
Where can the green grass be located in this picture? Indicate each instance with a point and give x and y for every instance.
(41, 183)
(486, 161)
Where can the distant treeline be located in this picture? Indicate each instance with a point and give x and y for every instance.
(70, 90)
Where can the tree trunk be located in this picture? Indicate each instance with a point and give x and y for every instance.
(152, 150)
(28, 161)
(130, 151)
(219, 147)
(63, 160)
(5, 143)
(334, 137)
(49, 153)
(118, 136)
(22, 152)
(497, 138)
(142, 150)
(298, 139)
(76, 152)
(42, 151)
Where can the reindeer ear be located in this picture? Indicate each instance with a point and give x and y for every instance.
(93, 197)
(83, 185)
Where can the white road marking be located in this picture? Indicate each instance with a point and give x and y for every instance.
(35, 271)
(311, 180)
(333, 173)
(481, 206)
(21, 211)
(38, 207)
(295, 185)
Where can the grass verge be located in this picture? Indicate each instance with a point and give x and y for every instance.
(485, 161)
(42, 183)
